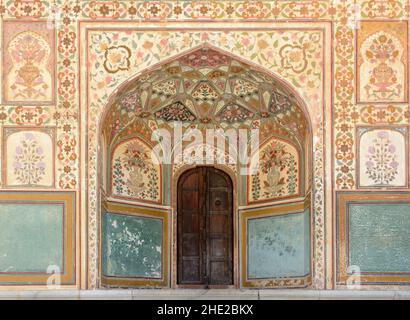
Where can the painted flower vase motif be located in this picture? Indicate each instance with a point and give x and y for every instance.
(277, 173)
(274, 160)
(29, 77)
(134, 175)
(382, 68)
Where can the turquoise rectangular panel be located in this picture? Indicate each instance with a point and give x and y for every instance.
(132, 246)
(379, 237)
(279, 246)
(31, 237)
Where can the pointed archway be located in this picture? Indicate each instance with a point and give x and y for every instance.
(204, 88)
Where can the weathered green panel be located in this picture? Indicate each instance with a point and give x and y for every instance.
(379, 237)
(279, 246)
(31, 237)
(132, 246)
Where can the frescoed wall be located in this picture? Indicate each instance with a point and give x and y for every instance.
(275, 172)
(135, 246)
(275, 245)
(373, 237)
(28, 62)
(278, 247)
(24, 248)
(380, 248)
(132, 246)
(134, 174)
(38, 238)
(85, 84)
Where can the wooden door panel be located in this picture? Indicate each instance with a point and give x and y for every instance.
(189, 224)
(219, 247)
(218, 178)
(192, 271)
(218, 270)
(190, 199)
(218, 223)
(190, 245)
(219, 235)
(205, 210)
(219, 199)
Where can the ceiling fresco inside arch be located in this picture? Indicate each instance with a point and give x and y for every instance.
(205, 89)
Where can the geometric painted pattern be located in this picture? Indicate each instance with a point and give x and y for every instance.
(206, 87)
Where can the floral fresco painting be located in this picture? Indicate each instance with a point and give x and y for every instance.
(275, 172)
(383, 156)
(134, 174)
(29, 159)
(28, 74)
(382, 62)
(316, 91)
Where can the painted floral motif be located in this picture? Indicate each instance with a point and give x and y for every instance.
(382, 65)
(29, 166)
(276, 174)
(103, 9)
(117, 58)
(279, 103)
(31, 115)
(382, 158)
(151, 48)
(28, 8)
(293, 57)
(382, 164)
(29, 157)
(383, 78)
(134, 174)
(234, 113)
(131, 102)
(242, 87)
(175, 112)
(167, 88)
(29, 78)
(205, 58)
(204, 91)
(382, 114)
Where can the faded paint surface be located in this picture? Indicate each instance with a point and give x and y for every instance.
(132, 246)
(380, 237)
(31, 237)
(279, 246)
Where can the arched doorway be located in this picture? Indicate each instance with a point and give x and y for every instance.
(205, 227)
(199, 91)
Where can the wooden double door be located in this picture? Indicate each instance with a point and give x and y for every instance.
(205, 231)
